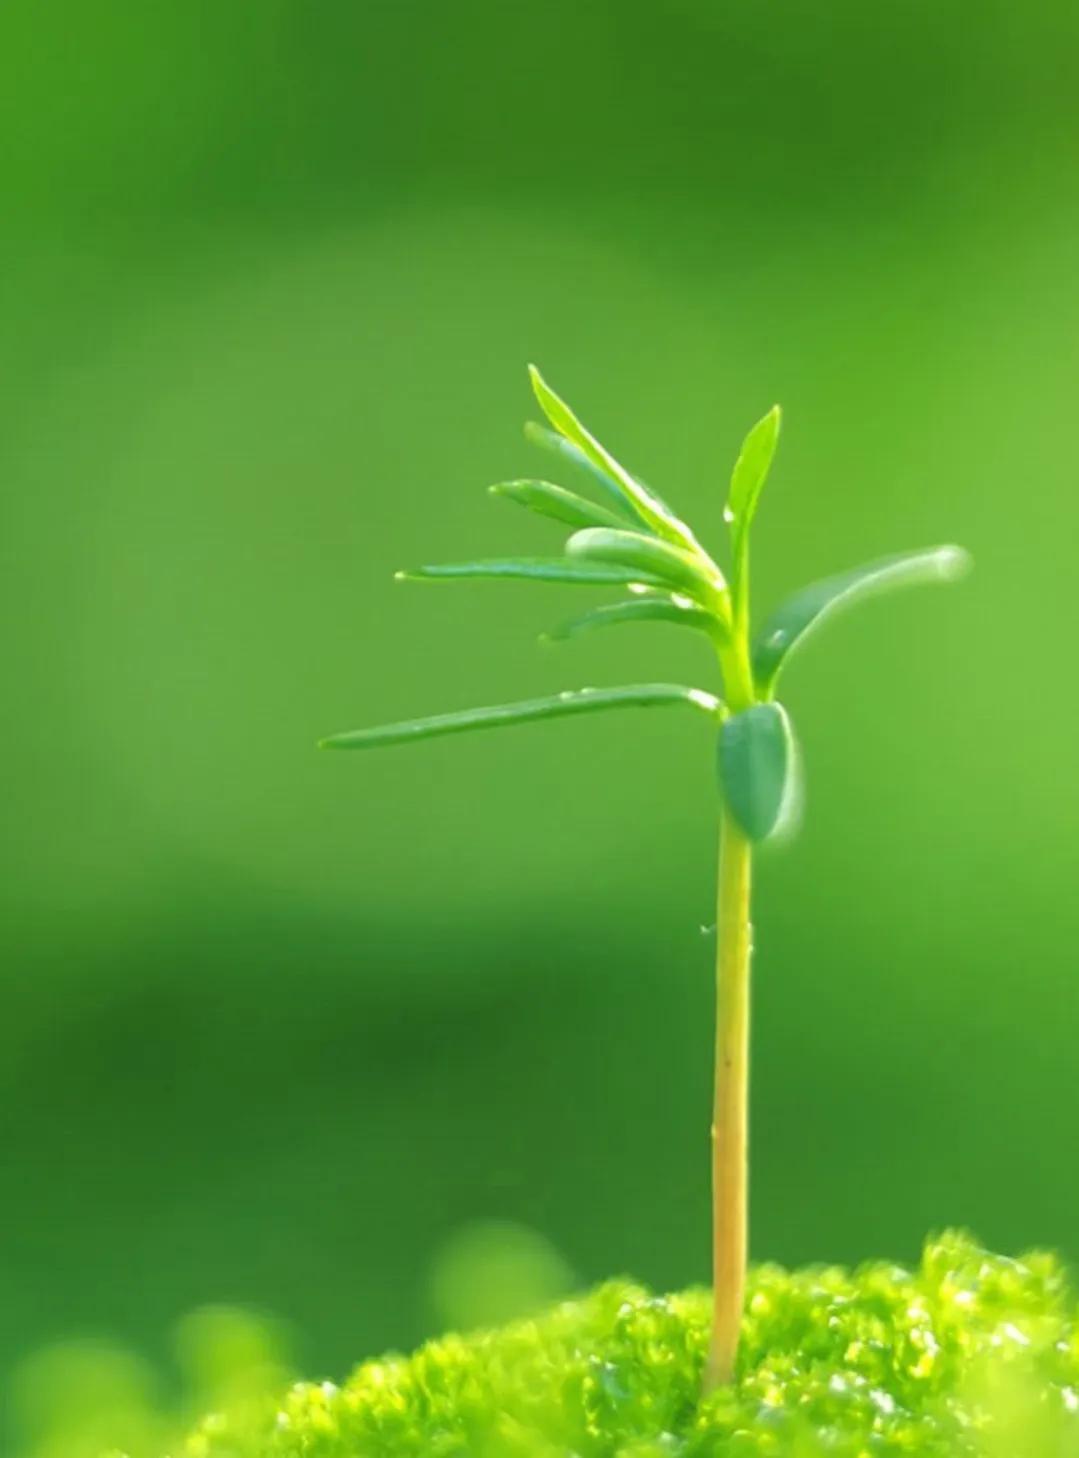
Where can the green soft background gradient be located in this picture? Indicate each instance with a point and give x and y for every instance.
(275, 1024)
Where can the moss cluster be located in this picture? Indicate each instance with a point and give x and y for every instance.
(971, 1354)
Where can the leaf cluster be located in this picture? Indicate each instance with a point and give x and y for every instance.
(624, 535)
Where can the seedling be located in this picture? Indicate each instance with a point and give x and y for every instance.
(625, 536)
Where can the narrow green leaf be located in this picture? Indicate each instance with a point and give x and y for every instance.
(555, 501)
(792, 622)
(553, 706)
(751, 470)
(647, 506)
(758, 770)
(537, 569)
(655, 608)
(684, 571)
(550, 440)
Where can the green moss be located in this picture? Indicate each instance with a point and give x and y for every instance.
(971, 1354)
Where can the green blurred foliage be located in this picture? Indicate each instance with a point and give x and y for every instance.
(276, 1024)
(83, 1398)
(492, 1271)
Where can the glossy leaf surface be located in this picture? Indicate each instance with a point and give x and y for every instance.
(536, 569)
(547, 499)
(647, 506)
(550, 440)
(758, 769)
(751, 469)
(553, 706)
(795, 619)
(682, 570)
(654, 608)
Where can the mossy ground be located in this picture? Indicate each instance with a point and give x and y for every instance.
(969, 1354)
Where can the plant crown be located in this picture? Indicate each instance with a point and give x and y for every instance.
(624, 535)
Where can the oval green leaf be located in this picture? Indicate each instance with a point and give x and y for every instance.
(553, 706)
(795, 619)
(758, 770)
(534, 569)
(546, 499)
(685, 571)
(655, 608)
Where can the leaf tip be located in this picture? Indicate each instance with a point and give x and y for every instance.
(545, 396)
(579, 542)
(954, 563)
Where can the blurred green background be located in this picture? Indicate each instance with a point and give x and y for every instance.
(277, 1025)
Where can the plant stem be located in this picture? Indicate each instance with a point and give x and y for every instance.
(730, 1120)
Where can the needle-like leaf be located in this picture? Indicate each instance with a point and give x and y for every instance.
(553, 706)
(795, 619)
(758, 770)
(547, 499)
(550, 440)
(537, 569)
(655, 608)
(684, 571)
(646, 505)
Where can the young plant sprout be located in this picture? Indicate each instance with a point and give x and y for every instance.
(625, 536)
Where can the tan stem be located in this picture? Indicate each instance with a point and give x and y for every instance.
(730, 1122)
